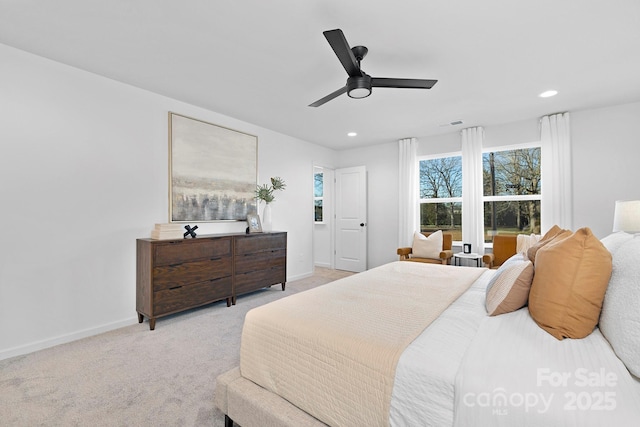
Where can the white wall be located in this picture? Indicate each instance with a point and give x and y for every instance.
(84, 171)
(606, 167)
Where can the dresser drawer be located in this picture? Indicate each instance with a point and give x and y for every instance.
(177, 251)
(183, 297)
(250, 281)
(260, 242)
(261, 260)
(168, 276)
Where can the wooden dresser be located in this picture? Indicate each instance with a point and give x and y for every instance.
(176, 275)
(259, 260)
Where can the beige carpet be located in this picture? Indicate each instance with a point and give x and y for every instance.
(133, 376)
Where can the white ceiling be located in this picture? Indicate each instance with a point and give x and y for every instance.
(265, 61)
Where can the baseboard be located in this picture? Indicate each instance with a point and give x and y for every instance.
(63, 339)
(299, 276)
(322, 264)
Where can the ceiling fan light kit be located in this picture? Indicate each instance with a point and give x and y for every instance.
(359, 84)
(359, 87)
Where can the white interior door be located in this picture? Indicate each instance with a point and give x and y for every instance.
(351, 219)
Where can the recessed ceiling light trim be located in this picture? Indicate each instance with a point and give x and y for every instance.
(548, 94)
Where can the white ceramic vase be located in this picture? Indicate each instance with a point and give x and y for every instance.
(266, 218)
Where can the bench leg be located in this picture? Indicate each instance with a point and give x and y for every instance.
(228, 422)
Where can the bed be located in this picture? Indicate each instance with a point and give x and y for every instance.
(408, 344)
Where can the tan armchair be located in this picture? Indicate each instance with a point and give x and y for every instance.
(504, 247)
(445, 254)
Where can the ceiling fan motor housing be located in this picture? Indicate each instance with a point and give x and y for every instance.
(359, 87)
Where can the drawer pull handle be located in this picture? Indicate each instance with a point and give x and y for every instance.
(175, 265)
(215, 259)
(175, 287)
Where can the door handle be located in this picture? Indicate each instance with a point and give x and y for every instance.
(362, 224)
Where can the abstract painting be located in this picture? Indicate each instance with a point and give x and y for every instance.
(212, 171)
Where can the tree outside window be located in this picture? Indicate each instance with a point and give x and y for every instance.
(511, 192)
(441, 195)
(318, 196)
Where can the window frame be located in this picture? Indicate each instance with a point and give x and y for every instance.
(485, 199)
(421, 200)
(513, 198)
(318, 171)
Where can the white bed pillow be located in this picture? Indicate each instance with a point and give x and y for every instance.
(427, 247)
(620, 317)
(508, 289)
(524, 242)
(613, 241)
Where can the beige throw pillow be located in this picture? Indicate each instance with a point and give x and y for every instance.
(570, 281)
(427, 247)
(508, 289)
(555, 233)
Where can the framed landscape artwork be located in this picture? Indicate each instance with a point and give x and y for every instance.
(212, 172)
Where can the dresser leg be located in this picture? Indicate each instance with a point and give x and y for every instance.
(229, 302)
(140, 317)
(152, 324)
(233, 300)
(283, 285)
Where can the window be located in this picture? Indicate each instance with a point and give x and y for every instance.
(318, 194)
(511, 191)
(441, 194)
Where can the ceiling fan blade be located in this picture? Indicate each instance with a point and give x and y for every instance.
(402, 83)
(342, 50)
(329, 97)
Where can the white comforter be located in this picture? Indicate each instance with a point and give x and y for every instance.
(423, 392)
(469, 369)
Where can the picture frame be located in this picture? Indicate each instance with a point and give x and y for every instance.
(213, 171)
(467, 248)
(253, 222)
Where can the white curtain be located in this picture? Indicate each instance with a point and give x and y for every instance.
(407, 190)
(557, 191)
(472, 193)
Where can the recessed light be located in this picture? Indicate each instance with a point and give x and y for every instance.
(548, 94)
(352, 134)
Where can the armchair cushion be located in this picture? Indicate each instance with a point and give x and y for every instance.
(504, 247)
(427, 246)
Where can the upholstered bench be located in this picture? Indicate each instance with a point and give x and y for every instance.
(245, 403)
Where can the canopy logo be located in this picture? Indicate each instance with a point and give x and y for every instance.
(555, 387)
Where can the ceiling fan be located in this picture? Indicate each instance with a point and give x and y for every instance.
(359, 83)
